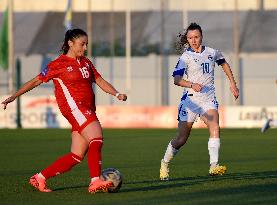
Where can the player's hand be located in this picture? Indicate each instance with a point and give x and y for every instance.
(7, 101)
(234, 90)
(196, 87)
(122, 97)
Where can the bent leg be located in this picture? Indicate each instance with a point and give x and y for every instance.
(93, 135)
(211, 119)
(79, 145)
(173, 147)
(184, 129)
(176, 143)
(62, 164)
(66, 162)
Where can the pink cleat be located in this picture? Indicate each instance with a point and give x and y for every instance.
(99, 185)
(39, 183)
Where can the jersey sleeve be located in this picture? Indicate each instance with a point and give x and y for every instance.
(95, 72)
(180, 68)
(219, 58)
(51, 71)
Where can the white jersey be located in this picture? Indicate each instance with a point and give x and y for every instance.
(199, 68)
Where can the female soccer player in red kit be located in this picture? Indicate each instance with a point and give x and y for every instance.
(73, 74)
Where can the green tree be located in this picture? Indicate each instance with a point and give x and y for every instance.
(4, 45)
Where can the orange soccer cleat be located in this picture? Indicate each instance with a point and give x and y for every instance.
(99, 185)
(39, 183)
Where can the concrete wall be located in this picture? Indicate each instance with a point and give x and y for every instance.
(259, 73)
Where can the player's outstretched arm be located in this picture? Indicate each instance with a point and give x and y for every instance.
(229, 74)
(108, 88)
(25, 88)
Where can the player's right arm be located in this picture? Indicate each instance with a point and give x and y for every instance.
(178, 80)
(25, 88)
(178, 74)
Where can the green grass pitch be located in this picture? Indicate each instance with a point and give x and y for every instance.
(251, 159)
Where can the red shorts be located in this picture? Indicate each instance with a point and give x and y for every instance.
(80, 118)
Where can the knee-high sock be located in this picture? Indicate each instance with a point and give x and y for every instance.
(61, 165)
(94, 157)
(213, 147)
(169, 153)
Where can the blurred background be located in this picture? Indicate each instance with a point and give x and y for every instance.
(133, 45)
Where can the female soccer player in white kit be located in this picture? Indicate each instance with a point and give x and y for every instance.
(198, 99)
(269, 122)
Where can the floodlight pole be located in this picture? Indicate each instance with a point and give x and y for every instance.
(112, 47)
(260, 5)
(237, 51)
(89, 29)
(18, 85)
(11, 72)
(164, 64)
(128, 50)
(185, 13)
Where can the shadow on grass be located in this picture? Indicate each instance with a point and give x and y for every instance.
(186, 181)
(190, 181)
(70, 187)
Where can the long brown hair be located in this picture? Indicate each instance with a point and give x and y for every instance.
(71, 34)
(183, 42)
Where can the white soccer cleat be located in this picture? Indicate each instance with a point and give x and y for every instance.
(164, 171)
(217, 170)
(266, 126)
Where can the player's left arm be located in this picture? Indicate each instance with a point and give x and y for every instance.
(233, 85)
(108, 88)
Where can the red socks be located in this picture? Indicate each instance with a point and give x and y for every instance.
(66, 162)
(61, 165)
(94, 157)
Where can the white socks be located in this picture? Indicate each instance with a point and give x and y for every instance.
(169, 153)
(213, 147)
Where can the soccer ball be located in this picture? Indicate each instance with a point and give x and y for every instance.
(114, 176)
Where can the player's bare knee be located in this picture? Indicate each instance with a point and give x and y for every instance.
(92, 138)
(214, 130)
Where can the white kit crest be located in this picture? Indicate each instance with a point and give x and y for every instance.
(69, 69)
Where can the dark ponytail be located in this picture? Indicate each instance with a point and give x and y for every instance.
(183, 42)
(70, 35)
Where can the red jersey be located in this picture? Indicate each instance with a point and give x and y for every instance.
(73, 83)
